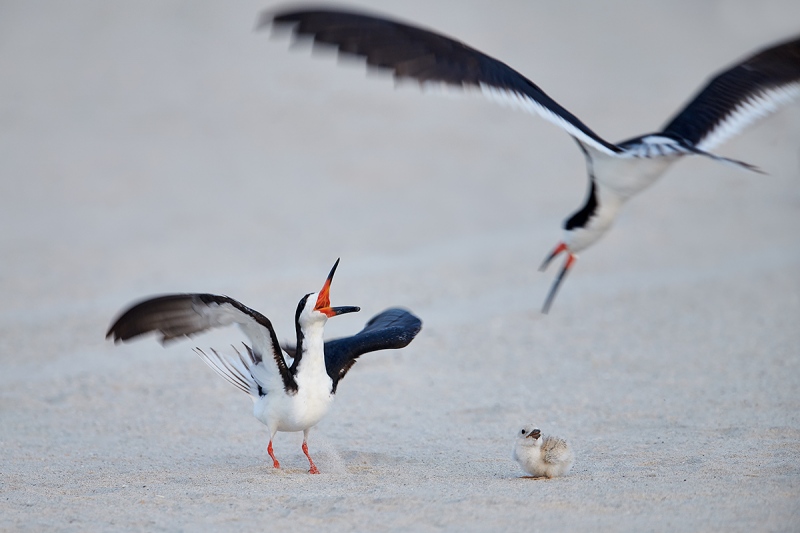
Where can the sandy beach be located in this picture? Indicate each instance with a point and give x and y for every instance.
(160, 146)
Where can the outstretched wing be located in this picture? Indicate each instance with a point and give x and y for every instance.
(182, 315)
(417, 54)
(739, 96)
(390, 330)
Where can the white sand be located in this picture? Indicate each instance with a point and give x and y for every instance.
(150, 147)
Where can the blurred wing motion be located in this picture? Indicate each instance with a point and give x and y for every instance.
(182, 315)
(414, 53)
(390, 330)
(738, 96)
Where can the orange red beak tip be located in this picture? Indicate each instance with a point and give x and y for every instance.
(323, 304)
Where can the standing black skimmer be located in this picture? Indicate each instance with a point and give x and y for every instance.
(731, 100)
(288, 395)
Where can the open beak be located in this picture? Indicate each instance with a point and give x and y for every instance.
(571, 258)
(323, 304)
(535, 434)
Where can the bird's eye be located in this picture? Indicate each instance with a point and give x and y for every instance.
(522, 432)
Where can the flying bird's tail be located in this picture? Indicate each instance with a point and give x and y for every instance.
(728, 161)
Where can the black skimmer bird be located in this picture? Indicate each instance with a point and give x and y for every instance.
(289, 394)
(731, 100)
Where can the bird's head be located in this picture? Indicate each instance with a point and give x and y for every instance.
(530, 435)
(316, 307)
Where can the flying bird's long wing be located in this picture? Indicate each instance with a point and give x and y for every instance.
(417, 54)
(182, 315)
(738, 96)
(392, 329)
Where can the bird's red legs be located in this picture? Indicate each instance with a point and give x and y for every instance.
(313, 469)
(571, 258)
(275, 462)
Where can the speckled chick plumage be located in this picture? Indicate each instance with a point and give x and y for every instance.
(542, 456)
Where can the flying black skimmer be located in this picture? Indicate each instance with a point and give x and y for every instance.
(542, 456)
(731, 100)
(289, 394)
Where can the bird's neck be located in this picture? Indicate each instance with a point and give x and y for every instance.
(310, 349)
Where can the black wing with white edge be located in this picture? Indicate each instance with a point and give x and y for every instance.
(182, 315)
(413, 53)
(738, 96)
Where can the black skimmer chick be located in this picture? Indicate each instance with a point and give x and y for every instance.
(731, 100)
(542, 456)
(288, 394)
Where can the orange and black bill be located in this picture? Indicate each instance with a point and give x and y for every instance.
(323, 304)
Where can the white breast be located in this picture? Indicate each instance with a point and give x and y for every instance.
(627, 176)
(305, 408)
(617, 179)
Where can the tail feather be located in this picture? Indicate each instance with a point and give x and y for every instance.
(727, 160)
